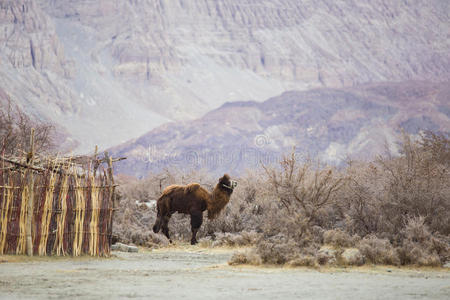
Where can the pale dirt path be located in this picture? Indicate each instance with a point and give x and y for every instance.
(196, 273)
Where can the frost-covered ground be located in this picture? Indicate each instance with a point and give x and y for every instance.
(193, 272)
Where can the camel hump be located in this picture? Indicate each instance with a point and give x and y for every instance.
(168, 190)
(192, 187)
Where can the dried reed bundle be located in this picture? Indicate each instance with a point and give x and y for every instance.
(93, 226)
(61, 219)
(21, 245)
(7, 197)
(80, 209)
(47, 213)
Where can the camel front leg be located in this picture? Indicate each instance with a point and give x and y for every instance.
(196, 222)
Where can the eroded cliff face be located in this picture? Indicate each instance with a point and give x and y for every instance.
(119, 68)
(31, 55)
(330, 43)
(28, 38)
(34, 70)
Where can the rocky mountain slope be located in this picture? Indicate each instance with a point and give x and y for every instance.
(332, 124)
(110, 70)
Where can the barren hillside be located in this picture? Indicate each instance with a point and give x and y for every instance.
(332, 124)
(108, 71)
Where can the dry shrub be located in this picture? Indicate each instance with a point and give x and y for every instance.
(280, 249)
(416, 254)
(289, 211)
(180, 227)
(381, 194)
(277, 249)
(351, 257)
(303, 261)
(304, 189)
(156, 240)
(245, 238)
(326, 256)
(205, 242)
(132, 223)
(15, 131)
(304, 192)
(287, 238)
(339, 238)
(416, 230)
(250, 237)
(420, 247)
(248, 257)
(238, 258)
(378, 251)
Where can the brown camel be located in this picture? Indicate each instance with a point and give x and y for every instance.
(192, 199)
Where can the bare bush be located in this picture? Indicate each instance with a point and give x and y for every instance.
(247, 257)
(327, 255)
(437, 145)
(303, 261)
(280, 249)
(415, 254)
(378, 251)
(244, 238)
(381, 195)
(351, 257)
(304, 190)
(15, 131)
(132, 222)
(292, 231)
(339, 238)
(358, 206)
(238, 258)
(277, 249)
(398, 205)
(420, 247)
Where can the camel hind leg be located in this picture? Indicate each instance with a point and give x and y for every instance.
(162, 222)
(157, 226)
(163, 216)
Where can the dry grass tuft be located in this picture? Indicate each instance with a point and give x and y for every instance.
(245, 238)
(303, 261)
(248, 257)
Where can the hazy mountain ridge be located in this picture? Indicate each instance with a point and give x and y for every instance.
(110, 70)
(332, 124)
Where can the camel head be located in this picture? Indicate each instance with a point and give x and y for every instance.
(227, 183)
(220, 196)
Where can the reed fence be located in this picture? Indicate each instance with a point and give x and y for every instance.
(68, 206)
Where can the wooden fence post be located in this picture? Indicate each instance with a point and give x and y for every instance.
(95, 160)
(30, 208)
(111, 194)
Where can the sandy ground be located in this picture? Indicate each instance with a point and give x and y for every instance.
(190, 272)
